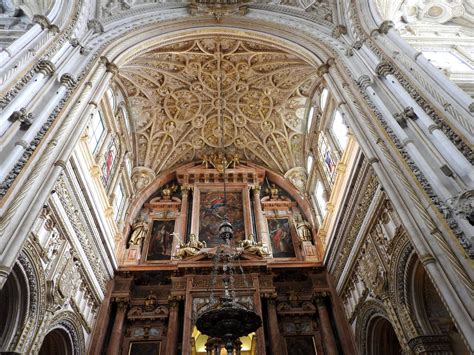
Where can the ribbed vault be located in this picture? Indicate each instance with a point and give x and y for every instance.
(175, 93)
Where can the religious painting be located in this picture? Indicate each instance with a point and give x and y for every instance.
(145, 348)
(212, 213)
(161, 240)
(280, 238)
(300, 345)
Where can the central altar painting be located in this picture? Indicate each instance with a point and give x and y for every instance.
(212, 212)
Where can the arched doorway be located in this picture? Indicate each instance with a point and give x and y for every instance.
(382, 338)
(431, 312)
(57, 341)
(13, 298)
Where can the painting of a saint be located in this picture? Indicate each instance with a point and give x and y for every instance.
(280, 237)
(161, 240)
(302, 345)
(145, 348)
(212, 213)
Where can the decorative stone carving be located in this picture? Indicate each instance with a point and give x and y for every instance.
(264, 121)
(463, 205)
(142, 177)
(384, 68)
(95, 26)
(218, 8)
(402, 117)
(68, 80)
(253, 247)
(46, 67)
(338, 31)
(298, 177)
(364, 81)
(25, 119)
(191, 248)
(43, 21)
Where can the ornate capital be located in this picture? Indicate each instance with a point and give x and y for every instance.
(45, 67)
(402, 117)
(25, 119)
(44, 22)
(383, 69)
(95, 26)
(338, 31)
(68, 80)
(364, 82)
(383, 28)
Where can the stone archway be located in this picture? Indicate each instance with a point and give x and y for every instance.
(439, 330)
(14, 301)
(382, 338)
(57, 341)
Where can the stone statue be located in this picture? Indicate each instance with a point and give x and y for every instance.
(273, 191)
(191, 248)
(303, 228)
(252, 247)
(139, 231)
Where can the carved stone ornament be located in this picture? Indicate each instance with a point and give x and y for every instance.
(191, 248)
(263, 94)
(142, 177)
(463, 205)
(95, 26)
(253, 247)
(402, 117)
(298, 177)
(25, 119)
(218, 8)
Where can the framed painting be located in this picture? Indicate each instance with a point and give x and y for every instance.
(161, 240)
(280, 238)
(212, 212)
(145, 348)
(300, 345)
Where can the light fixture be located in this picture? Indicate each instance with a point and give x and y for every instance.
(224, 320)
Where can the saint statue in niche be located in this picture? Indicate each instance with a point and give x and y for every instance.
(303, 228)
(280, 237)
(161, 240)
(139, 231)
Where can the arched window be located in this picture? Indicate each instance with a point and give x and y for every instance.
(320, 200)
(310, 119)
(118, 201)
(111, 97)
(309, 163)
(326, 157)
(96, 130)
(339, 130)
(324, 99)
(110, 158)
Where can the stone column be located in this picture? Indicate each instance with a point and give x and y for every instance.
(434, 133)
(183, 217)
(115, 342)
(329, 342)
(262, 227)
(274, 330)
(171, 340)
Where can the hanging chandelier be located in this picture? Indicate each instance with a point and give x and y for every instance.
(225, 319)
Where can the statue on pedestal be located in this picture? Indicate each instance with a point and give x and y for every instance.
(303, 228)
(139, 231)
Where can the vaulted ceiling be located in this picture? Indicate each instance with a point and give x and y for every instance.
(180, 93)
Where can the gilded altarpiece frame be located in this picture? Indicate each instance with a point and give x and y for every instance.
(164, 217)
(208, 207)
